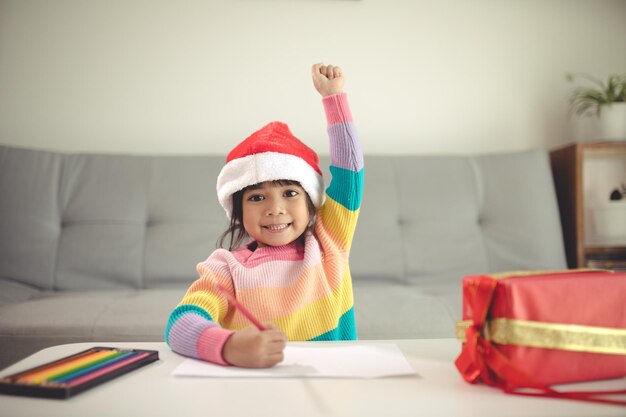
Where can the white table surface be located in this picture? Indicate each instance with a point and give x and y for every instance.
(438, 391)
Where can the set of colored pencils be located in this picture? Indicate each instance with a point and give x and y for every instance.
(73, 374)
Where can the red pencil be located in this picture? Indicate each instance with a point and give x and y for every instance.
(240, 307)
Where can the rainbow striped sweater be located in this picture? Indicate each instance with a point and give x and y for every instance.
(304, 289)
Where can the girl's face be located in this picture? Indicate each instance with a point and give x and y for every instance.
(275, 214)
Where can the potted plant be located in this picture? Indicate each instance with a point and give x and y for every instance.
(604, 101)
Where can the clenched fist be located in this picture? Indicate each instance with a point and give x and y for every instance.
(327, 79)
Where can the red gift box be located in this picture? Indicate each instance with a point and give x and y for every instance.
(536, 329)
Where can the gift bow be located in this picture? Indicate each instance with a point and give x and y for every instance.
(482, 361)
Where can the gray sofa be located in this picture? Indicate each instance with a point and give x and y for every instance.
(99, 248)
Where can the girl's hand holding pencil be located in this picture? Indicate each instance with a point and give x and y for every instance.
(257, 346)
(254, 348)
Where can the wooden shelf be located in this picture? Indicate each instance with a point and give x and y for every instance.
(570, 167)
(605, 250)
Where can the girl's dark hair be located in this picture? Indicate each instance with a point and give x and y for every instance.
(236, 234)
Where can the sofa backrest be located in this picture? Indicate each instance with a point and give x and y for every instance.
(428, 218)
(79, 221)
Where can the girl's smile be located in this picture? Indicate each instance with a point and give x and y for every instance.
(275, 214)
(277, 228)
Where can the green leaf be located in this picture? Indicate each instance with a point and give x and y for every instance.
(586, 99)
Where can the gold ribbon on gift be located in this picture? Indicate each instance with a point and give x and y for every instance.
(512, 274)
(572, 337)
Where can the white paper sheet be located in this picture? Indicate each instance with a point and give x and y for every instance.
(373, 360)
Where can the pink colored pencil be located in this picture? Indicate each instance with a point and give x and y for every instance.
(240, 307)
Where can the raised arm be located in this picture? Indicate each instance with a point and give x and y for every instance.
(339, 213)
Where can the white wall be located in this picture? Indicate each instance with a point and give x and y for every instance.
(197, 76)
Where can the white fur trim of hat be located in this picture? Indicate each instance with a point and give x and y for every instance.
(269, 166)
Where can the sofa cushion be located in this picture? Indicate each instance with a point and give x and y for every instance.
(15, 292)
(447, 216)
(29, 215)
(92, 315)
(397, 311)
(86, 222)
(55, 318)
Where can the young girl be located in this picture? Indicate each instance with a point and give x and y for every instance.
(293, 275)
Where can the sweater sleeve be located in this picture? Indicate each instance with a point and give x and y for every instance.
(343, 195)
(193, 327)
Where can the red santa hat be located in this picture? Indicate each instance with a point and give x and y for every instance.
(271, 153)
